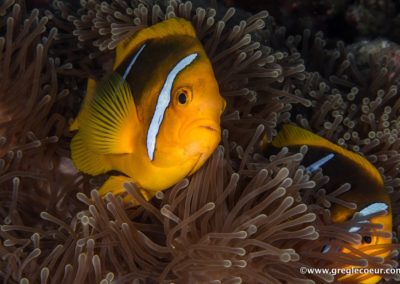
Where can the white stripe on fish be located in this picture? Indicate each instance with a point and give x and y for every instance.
(163, 101)
(316, 165)
(128, 69)
(370, 209)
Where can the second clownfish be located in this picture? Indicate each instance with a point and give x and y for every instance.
(156, 118)
(367, 189)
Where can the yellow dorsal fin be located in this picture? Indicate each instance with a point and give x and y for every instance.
(173, 26)
(110, 124)
(292, 135)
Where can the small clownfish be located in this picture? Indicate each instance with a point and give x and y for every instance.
(367, 189)
(156, 118)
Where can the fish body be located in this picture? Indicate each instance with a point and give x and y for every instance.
(367, 188)
(156, 118)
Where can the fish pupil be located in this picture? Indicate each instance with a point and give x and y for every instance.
(182, 98)
(367, 239)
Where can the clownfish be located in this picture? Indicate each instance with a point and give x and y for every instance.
(156, 118)
(367, 189)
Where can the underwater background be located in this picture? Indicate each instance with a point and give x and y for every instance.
(247, 216)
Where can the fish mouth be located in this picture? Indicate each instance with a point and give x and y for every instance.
(209, 127)
(200, 125)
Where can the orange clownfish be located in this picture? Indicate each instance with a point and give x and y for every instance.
(156, 118)
(367, 189)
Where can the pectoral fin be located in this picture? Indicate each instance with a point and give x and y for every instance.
(111, 124)
(85, 160)
(115, 185)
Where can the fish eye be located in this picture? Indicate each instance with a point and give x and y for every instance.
(367, 239)
(182, 96)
